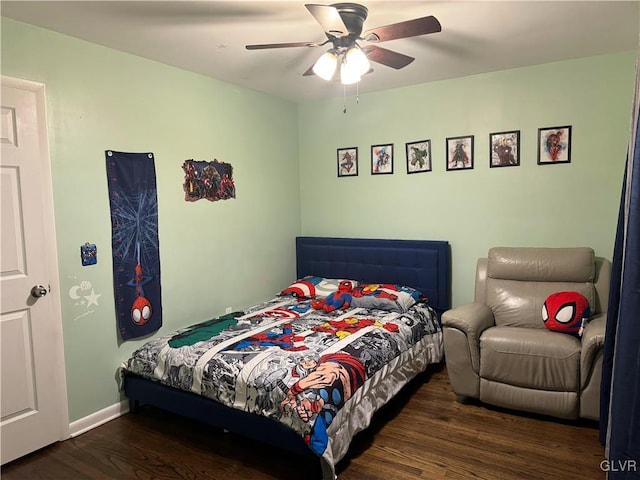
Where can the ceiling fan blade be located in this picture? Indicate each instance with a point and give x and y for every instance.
(329, 19)
(410, 28)
(283, 45)
(387, 57)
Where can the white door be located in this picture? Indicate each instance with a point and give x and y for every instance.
(33, 394)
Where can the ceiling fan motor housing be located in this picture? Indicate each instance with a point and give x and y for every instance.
(353, 16)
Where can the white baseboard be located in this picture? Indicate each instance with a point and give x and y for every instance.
(98, 418)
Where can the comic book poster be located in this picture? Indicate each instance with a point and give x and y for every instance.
(210, 180)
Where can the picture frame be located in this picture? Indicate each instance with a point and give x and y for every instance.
(504, 149)
(382, 159)
(554, 145)
(460, 153)
(347, 159)
(418, 156)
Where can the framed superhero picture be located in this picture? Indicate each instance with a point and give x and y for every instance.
(505, 149)
(419, 156)
(554, 145)
(348, 162)
(382, 159)
(460, 153)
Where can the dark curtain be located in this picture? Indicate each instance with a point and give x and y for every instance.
(620, 389)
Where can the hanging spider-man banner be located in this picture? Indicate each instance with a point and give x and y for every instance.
(134, 228)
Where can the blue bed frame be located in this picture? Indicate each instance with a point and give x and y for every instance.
(422, 264)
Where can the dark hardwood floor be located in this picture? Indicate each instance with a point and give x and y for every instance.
(422, 434)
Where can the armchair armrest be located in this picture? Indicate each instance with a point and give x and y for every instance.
(592, 343)
(472, 319)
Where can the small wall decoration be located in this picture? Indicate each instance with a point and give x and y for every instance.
(460, 153)
(210, 180)
(554, 145)
(382, 159)
(419, 156)
(88, 254)
(83, 297)
(505, 149)
(348, 162)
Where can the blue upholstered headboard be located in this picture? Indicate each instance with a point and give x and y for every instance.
(422, 264)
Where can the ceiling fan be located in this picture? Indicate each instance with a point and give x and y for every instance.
(343, 24)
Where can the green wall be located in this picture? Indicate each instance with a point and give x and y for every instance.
(528, 205)
(213, 255)
(237, 252)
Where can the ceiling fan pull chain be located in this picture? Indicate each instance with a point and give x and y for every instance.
(344, 98)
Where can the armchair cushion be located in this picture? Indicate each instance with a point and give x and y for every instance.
(574, 265)
(531, 358)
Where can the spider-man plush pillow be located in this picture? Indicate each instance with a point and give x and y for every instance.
(385, 296)
(566, 312)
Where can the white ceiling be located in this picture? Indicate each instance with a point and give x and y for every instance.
(208, 37)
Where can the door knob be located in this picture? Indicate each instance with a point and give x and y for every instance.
(38, 291)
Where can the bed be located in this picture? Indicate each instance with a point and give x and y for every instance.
(306, 370)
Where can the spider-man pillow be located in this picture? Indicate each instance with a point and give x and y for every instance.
(566, 312)
(385, 296)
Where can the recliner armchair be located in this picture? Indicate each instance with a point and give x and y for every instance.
(498, 350)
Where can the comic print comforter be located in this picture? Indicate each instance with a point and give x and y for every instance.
(322, 374)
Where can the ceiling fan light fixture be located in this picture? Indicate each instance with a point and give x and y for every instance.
(326, 65)
(357, 60)
(349, 74)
